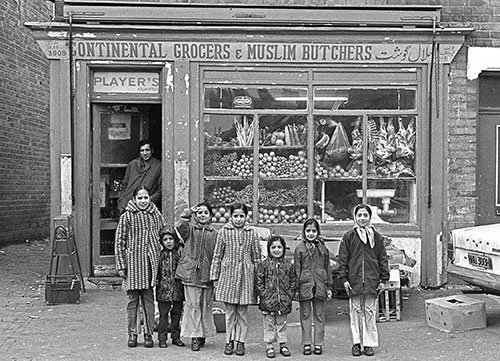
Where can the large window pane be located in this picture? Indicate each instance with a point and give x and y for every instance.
(338, 152)
(364, 98)
(228, 163)
(218, 97)
(282, 168)
(348, 146)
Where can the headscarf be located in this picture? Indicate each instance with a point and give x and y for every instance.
(365, 233)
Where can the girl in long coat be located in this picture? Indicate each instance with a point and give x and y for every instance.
(363, 271)
(236, 256)
(137, 250)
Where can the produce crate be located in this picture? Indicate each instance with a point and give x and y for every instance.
(455, 313)
(61, 290)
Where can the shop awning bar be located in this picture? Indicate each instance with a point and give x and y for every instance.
(162, 12)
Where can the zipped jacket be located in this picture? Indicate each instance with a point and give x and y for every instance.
(168, 288)
(363, 266)
(197, 253)
(276, 284)
(312, 267)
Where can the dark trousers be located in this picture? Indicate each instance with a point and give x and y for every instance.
(174, 309)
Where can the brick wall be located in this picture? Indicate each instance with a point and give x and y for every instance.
(24, 124)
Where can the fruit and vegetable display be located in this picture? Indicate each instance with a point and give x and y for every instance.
(324, 171)
(226, 195)
(288, 135)
(283, 196)
(390, 153)
(279, 215)
(228, 165)
(222, 215)
(272, 165)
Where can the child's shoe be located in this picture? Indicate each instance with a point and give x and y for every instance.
(240, 348)
(270, 353)
(356, 349)
(318, 349)
(369, 351)
(307, 350)
(132, 340)
(178, 342)
(148, 340)
(162, 343)
(228, 349)
(195, 345)
(284, 350)
(201, 341)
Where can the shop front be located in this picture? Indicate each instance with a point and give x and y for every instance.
(296, 112)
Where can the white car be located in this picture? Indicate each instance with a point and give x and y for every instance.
(474, 256)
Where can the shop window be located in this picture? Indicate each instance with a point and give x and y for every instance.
(376, 166)
(260, 156)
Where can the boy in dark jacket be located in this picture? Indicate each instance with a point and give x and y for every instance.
(169, 291)
(276, 286)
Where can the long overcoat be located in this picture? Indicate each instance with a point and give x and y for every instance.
(137, 245)
(140, 173)
(197, 253)
(365, 267)
(236, 256)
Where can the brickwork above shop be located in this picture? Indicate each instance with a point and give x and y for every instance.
(24, 124)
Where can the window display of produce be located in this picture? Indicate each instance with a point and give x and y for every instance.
(267, 146)
(341, 147)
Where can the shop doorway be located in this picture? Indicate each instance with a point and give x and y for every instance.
(488, 150)
(117, 131)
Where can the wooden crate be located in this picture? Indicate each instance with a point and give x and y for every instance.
(389, 305)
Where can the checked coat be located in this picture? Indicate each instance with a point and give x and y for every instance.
(236, 256)
(137, 246)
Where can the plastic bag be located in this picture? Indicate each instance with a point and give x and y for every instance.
(337, 149)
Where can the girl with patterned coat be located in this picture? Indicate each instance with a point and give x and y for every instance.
(236, 256)
(199, 237)
(136, 251)
(169, 291)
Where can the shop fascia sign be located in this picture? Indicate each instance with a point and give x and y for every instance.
(248, 51)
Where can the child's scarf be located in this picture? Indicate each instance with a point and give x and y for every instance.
(366, 234)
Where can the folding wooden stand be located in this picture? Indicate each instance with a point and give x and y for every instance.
(62, 284)
(389, 302)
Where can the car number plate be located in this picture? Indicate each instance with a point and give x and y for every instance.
(479, 260)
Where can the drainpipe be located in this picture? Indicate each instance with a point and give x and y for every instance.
(71, 112)
(431, 95)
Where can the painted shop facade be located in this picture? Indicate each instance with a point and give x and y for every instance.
(297, 111)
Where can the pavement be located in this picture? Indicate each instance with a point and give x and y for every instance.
(95, 328)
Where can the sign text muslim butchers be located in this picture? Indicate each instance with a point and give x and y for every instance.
(252, 52)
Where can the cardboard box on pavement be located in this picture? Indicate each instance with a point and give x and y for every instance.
(455, 313)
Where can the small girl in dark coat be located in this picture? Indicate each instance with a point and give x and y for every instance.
(276, 285)
(169, 291)
(363, 271)
(314, 282)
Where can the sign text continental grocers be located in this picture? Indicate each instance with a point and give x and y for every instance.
(249, 52)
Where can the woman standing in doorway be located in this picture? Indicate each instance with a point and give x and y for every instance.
(137, 250)
(236, 256)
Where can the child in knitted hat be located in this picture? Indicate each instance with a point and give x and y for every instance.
(169, 291)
